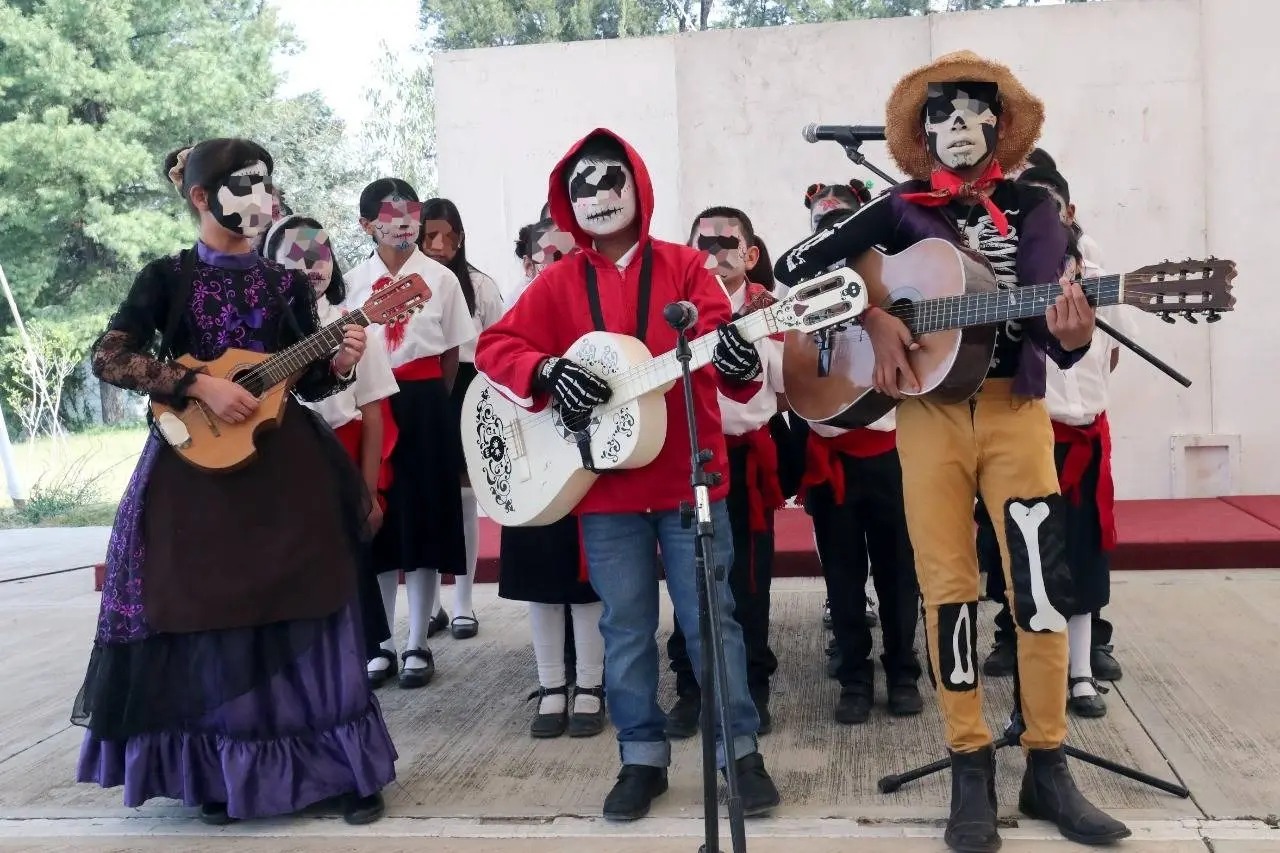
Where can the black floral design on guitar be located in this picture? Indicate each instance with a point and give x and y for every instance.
(625, 426)
(497, 464)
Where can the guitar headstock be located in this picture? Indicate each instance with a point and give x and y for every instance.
(835, 297)
(397, 300)
(1185, 288)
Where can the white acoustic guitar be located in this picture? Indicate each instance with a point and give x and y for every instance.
(528, 470)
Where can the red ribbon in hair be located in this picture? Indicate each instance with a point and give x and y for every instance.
(948, 185)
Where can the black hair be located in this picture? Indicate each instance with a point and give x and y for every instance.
(546, 212)
(855, 193)
(599, 147)
(762, 272)
(209, 163)
(371, 198)
(727, 213)
(1073, 250)
(337, 290)
(442, 208)
(1049, 177)
(523, 248)
(1040, 157)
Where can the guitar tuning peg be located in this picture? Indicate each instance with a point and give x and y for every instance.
(1164, 315)
(1213, 317)
(1191, 318)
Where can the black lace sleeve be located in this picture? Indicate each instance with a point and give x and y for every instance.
(124, 355)
(317, 381)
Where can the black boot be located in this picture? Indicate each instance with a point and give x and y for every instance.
(637, 787)
(972, 825)
(755, 787)
(1002, 661)
(1049, 793)
(359, 811)
(682, 719)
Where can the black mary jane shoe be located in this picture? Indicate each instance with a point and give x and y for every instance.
(437, 623)
(379, 677)
(413, 678)
(464, 627)
(1086, 706)
(549, 725)
(584, 724)
(359, 811)
(215, 814)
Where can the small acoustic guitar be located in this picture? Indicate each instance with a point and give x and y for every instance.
(948, 298)
(209, 443)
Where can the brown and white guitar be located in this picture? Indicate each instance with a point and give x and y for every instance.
(212, 444)
(949, 300)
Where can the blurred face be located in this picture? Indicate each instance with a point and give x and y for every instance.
(307, 250)
(548, 244)
(396, 226)
(729, 253)
(439, 241)
(243, 203)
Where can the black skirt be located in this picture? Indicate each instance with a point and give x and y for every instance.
(466, 374)
(543, 565)
(422, 526)
(1090, 565)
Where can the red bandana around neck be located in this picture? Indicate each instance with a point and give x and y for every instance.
(948, 185)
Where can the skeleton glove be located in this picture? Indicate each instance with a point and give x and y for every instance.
(575, 389)
(734, 357)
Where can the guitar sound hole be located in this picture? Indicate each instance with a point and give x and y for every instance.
(251, 384)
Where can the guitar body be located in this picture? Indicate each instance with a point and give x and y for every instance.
(951, 364)
(526, 468)
(213, 444)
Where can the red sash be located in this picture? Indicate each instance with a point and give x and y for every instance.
(427, 367)
(1078, 458)
(764, 489)
(351, 435)
(821, 456)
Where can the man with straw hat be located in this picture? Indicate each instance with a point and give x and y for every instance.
(954, 126)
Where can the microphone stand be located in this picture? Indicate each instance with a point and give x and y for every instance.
(854, 151)
(715, 669)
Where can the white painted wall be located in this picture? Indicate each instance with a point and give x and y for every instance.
(1157, 112)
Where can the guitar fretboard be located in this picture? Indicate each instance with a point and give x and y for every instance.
(287, 362)
(981, 309)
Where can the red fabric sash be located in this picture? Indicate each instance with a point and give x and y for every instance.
(427, 367)
(764, 489)
(351, 436)
(948, 185)
(1078, 458)
(822, 464)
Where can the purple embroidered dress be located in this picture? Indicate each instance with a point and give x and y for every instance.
(228, 664)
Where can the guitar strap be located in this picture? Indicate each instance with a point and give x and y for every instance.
(178, 303)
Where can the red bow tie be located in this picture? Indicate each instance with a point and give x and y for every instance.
(948, 185)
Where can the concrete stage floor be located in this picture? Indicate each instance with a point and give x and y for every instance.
(1200, 703)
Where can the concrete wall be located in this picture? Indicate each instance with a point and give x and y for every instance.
(1155, 108)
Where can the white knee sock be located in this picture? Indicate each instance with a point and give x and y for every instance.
(389, 586)
(422, 603)
(547, 623)
(588, 648)
(1080, 641)
(462, 605)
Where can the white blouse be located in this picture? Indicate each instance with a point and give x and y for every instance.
(442, 323)
(489, 309)
(373, 380)
(741, 418)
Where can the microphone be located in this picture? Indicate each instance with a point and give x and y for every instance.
(845, 134)
(680, 315)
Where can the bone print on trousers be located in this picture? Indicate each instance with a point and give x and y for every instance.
(1035, 529)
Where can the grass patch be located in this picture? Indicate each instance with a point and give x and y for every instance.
(76, 481)
(89, 515)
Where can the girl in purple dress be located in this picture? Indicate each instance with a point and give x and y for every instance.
(228, 667)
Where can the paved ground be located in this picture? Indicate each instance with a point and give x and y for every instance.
(1198, 703)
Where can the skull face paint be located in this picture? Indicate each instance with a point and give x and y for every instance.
(244, 202)
(307, 249)
(828, 199)
(603, 193)
(548, 244)
(727, 247)
(960, 123)
(397, 224)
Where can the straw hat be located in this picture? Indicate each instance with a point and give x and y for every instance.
(1021, 118)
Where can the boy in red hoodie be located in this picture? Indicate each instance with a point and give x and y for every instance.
(620, 282)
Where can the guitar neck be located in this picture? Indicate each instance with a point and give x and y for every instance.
(997, 306)
(304, 353)
(657, 372)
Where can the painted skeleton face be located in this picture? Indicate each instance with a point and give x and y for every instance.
(244, 203)
(397, 224)
(826, 200)
(548, 244)
(307, 249)
(726, 244)
(960, 123)
(603, 193)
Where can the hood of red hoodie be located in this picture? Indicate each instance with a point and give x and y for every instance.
(558, 190)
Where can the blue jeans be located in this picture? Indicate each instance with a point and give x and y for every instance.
(620, 551)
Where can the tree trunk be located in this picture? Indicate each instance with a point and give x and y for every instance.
(112, 399)
(704, 14)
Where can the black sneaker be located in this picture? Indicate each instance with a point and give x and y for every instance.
(833, 659)
(215, 814)
(755, 787)
(1002, 661)
(682, 719)
(1104, 665)
(359, 811)
(904, 699)
(854, 706)
(637, 787)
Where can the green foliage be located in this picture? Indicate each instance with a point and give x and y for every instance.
(69, 493)
(494, 23)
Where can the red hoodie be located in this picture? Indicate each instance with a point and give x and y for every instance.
(554, 312)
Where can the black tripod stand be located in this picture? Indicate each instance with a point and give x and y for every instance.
(714, 678)
(1012, 736)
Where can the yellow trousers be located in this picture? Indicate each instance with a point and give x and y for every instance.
(999, 446)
